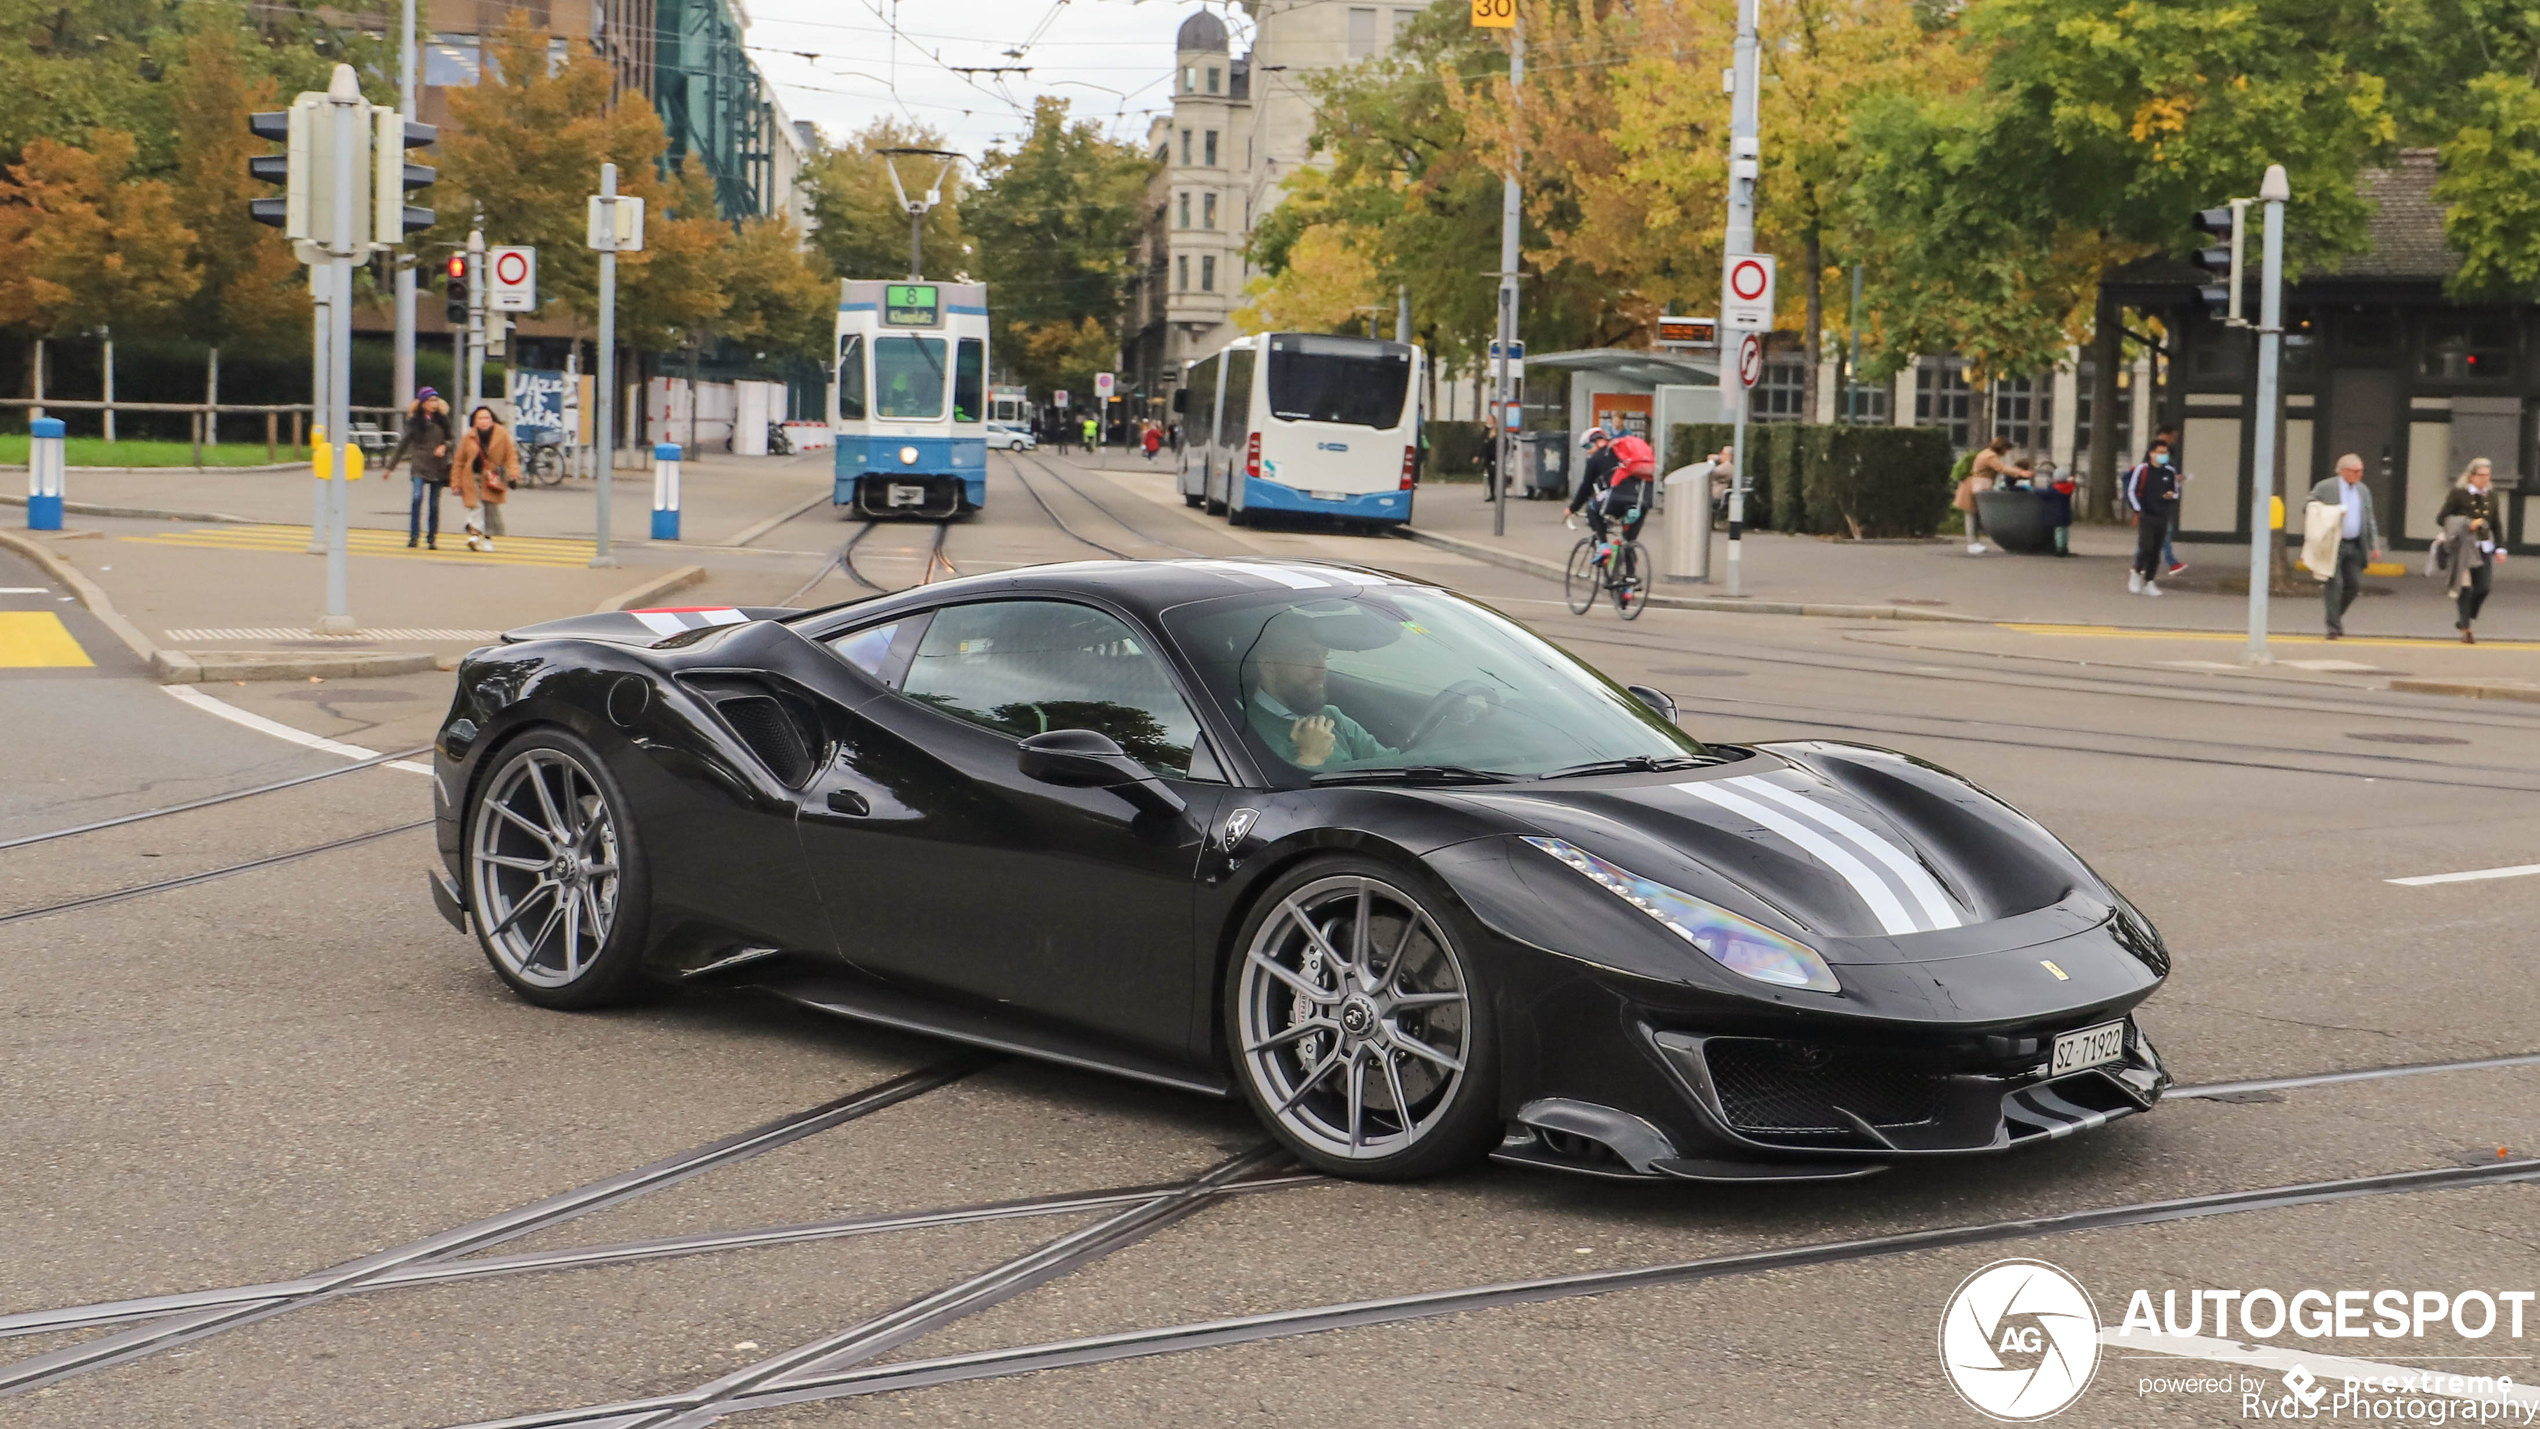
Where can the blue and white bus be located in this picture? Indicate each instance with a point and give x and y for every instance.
(909, 402)
(1302, 422)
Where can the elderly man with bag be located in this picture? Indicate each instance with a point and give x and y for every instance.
(2357, 538)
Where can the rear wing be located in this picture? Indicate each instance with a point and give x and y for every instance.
(644, 627)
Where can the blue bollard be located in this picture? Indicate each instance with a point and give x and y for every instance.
(44, 474)
(666, 492)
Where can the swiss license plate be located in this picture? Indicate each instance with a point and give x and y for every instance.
(2089, 1047)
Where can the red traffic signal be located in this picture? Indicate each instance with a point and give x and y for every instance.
(456, 267)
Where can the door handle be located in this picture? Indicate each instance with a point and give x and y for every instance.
(849, 802)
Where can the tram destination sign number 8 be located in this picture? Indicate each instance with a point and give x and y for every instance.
(910, 305)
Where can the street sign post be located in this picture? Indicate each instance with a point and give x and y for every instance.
(511, 279)
(1688, 332)
(1750, 360)
(1746, 293)
(1102, 406)
(614, 225)
(1059, 399)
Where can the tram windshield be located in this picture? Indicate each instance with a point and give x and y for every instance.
(1349, 381)
(908, 378)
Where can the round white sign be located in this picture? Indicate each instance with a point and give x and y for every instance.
(2020, 1340)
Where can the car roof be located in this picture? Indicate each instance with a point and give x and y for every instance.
(1147, 587)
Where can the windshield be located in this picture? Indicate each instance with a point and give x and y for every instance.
(1397, 678)
(908, 378)
(1347, 380)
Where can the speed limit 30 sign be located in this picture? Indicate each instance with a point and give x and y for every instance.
(1746, 293)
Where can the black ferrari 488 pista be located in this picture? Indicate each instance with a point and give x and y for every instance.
(1412, 881)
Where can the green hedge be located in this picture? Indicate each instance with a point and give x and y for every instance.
(1455, 448)
(1833, 480)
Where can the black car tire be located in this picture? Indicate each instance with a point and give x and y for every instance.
(550, 846)
(1189, 500)
(1427, 992)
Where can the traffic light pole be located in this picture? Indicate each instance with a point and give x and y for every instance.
(604, 433)
(475, 322)
(2273, 193)
(1511, 214)
(350, 118)
(1744, 158)
(321, 376)
(404, 380)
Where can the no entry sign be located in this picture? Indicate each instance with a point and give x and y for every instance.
(511, 279)
(1746, 293)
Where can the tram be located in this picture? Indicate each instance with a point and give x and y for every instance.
(1303, 423)
(909, 402)
(1011, 405)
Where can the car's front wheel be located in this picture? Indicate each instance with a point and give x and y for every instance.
(557, 879)
(1359, 1026)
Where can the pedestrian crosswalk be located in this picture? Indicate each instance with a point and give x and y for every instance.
(508, 550)
(37, 638)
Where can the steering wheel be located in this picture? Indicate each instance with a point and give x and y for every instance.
(1445, 701)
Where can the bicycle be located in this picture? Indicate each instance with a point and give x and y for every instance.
(544, 465)
(1611, 567)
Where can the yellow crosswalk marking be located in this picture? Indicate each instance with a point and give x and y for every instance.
(508, 550)
(37, 637)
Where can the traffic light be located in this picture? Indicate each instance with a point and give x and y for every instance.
(456, 292)
(393, 136)
(2223, 293)
(288, 127)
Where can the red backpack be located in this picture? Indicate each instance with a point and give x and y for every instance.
(1632, 460)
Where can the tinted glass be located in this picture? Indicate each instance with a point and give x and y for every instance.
(908, 378)
(1402, 677)
(1199, 387)
(970, 379)
(868, 648)
(1238, 418)
(851, 377)
(1024, 667)
(1352, 381)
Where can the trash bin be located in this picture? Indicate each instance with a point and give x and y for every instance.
(1544, 465)
(2018, 521)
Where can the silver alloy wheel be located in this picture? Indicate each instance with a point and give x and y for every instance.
(545, 864)
(1351, 1006)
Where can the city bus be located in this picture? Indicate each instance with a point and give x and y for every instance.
(1302, 423)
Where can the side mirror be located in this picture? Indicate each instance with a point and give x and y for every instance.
(1089, 759)
(1656, 699)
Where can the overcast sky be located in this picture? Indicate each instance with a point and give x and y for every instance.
(843, 63)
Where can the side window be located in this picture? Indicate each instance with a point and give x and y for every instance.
(1023, 667)
(868, 649)
(851, 377)
(970, 379)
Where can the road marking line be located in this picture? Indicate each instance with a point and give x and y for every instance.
(2521, 870)
(2324, 1367)
(37, 638)
(25, 590)
(225, 710)
(2118, 632)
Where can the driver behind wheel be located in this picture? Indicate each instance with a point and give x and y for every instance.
(1288, 708)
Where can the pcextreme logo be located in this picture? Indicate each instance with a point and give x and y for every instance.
(2019, 1340)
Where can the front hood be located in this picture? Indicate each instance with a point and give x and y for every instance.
(1874, 856)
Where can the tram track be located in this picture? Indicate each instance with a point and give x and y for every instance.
(845, 560)
(181, 1327)
(1089, 499)
(188, 880)
(212, 800)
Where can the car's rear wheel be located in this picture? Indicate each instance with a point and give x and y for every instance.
(557, 878)
(1360, 1029)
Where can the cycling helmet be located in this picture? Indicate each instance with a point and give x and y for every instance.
(1593, 436)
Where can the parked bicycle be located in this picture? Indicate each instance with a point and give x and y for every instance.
(544, 463)
(1619, 568)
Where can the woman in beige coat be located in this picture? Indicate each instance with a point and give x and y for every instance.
(482, 472)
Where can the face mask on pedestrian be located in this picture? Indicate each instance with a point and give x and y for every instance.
(2160, 458)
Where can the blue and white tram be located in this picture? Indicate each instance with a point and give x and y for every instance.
(910, 398)
(1302, 422)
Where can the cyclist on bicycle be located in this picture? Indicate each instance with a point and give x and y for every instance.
(1626, 494)
(1594, 473)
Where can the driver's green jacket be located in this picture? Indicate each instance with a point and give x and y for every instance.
(1351, 742)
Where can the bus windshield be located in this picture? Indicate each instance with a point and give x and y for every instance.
(908, 378)
(1345, 380)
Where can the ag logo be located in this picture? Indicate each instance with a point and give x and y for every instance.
(2020, 1340)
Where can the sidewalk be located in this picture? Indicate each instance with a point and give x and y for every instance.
(1938, 578)
(238, 598)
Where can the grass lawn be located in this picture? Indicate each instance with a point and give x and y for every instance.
(96, 451)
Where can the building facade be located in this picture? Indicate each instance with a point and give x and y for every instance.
(1240, 124)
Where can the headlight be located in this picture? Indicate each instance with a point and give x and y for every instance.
(1743, 946)
(908, 456)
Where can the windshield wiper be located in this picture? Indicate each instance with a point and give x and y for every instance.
(1417, 774)
(1630, 764)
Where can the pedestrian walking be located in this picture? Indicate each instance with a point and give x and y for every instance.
(1982, 475)
(1089, 434)
(427, 442)
(2153, 494)
(484, 470)
(1490, 466)
(2168, 437)
(2471, 546)
(1153, 441)
(2358, 538)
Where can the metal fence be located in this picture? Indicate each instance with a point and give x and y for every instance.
(374, 436)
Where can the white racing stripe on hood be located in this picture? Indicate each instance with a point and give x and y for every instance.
(1917, 880)
(1293, 580)
(1864, 880)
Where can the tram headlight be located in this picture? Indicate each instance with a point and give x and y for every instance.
(908, 456)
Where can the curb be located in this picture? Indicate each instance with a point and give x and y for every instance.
(144, 513)
(652, 590)
(203, 667)
(2468, 689)
(90, 595)
(1492, 555)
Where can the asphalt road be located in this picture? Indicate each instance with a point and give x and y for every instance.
(255, 1078)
